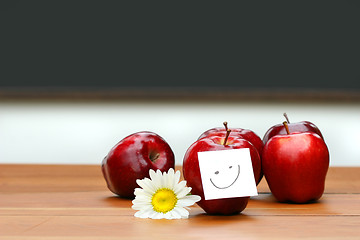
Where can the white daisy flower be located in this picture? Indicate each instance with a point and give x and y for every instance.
(163, 196)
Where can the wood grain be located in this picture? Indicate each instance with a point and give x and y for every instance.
(73, 202)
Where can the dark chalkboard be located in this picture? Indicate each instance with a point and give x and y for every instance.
(180, 44)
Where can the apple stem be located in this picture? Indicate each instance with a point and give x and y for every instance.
(286, 117)
(154, 156)
(227, 136)
(225, 124)
(286, 127)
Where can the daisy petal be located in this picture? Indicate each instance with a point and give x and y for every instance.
(142, 196)
(170, 179)
(152, 174)
(178, 187)
(146, 185)
(160, 178)
(156, 178)
(168, 215)
(188, 200)
(141, 192)
(195, 198)
(183, 192)
(175, 213)
(141, 206)
(141, 202)
(176, 177)
(158, 215)
(138, 214)
(142, 214)
(138, 191)
(153, 214)
(183, 212)
(171, 171)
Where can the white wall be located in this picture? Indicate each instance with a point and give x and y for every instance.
(83, 133)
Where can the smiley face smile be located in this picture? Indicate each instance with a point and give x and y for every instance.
(237, 176)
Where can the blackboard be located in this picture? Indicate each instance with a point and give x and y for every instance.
(235, 45)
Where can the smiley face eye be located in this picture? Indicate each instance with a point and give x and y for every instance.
(217, 172)
(230, 167)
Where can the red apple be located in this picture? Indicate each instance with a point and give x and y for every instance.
(191, 172)
(246, 134)
(295, 166)
(303, 126)
(132, 158)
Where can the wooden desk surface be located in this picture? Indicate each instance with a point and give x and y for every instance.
(72, 202)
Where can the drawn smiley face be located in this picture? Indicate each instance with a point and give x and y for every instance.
(225, 178)
(221, 177)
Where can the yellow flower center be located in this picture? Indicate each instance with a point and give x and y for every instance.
(164, 200)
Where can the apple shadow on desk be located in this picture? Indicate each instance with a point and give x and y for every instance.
(270, 199)
(199, 217)
(264, 204)
(116, 201)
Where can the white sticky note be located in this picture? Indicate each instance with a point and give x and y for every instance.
(227, 174)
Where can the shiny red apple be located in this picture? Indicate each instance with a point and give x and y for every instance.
(279, 129)
(132, 158)
(246, 134)
(191, 172)
(295, 166)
